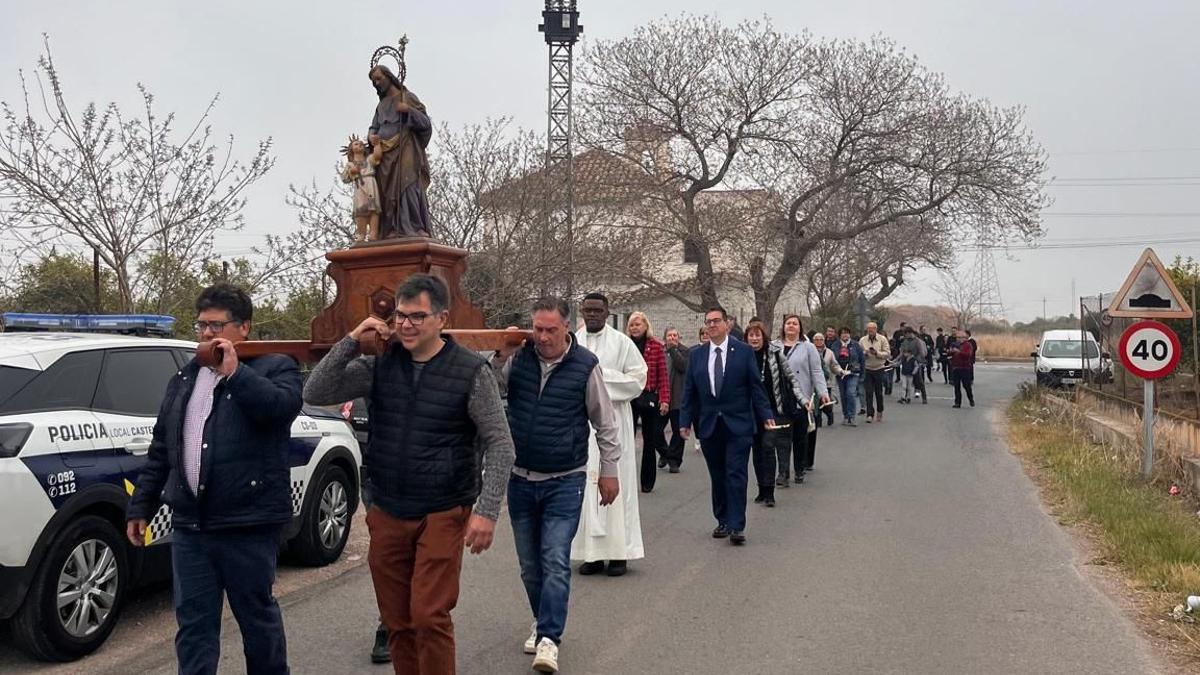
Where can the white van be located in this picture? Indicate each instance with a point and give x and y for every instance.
(1069, 357)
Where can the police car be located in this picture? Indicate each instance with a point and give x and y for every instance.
(77, 414)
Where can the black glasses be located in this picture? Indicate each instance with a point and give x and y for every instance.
(713, 322)
(416, 318)
(214, 326)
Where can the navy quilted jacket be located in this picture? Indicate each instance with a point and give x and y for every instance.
(244, 474)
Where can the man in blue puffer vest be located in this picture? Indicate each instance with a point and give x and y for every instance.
(554, 391)
(219, 459)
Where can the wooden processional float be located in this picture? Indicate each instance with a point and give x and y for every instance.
(392, 244)
(367, 276)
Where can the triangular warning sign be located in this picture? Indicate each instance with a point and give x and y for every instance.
(1149, 293)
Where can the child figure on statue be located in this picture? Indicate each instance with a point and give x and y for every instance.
(360, 170)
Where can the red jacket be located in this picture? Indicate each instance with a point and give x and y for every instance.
(964, 357)
(656, 370)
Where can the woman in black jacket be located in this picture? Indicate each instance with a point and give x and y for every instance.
(783, 395)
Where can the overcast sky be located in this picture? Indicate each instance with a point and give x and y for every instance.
(1112, 90)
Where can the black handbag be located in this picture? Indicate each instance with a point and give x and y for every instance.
(647, 400)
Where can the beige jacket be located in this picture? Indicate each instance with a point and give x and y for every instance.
(883, 350)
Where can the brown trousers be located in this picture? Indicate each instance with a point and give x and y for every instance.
(415, 566)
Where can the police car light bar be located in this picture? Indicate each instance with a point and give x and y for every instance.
(87, 323)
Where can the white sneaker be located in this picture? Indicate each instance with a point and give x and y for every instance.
(546, 660)
(531, 643)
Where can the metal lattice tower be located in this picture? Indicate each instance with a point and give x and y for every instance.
(991, 307)
(560, 25)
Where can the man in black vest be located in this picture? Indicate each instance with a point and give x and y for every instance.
(554, 390)
(436, 418)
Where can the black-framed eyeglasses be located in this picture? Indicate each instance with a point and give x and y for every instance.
(713, 322)
(214, 326)
(416, 318)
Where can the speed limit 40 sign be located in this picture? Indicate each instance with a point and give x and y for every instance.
(1149, 349)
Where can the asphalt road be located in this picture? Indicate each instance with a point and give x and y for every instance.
(918, 546)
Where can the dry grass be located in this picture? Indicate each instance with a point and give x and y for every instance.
(1152, 537)
(1155, 537)
(1007, 345)
(1174, 438)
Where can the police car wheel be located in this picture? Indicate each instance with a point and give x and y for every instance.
(77, 593)
(325, 524)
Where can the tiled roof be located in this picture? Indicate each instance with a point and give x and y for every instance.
(600, 176)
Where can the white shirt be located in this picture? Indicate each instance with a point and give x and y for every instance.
(712, 360)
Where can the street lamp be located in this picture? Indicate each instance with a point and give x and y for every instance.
(561, 22)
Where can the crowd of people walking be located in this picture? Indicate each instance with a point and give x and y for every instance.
(550, 426)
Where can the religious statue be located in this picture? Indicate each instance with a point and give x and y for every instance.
(401, 127)
(360, 170)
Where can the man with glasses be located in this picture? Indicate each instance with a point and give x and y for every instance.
(219, 459)
(724, 397)
(436, 420)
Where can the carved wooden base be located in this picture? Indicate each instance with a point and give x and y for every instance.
(367, 276)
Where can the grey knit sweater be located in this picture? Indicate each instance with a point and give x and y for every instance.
(344, 375)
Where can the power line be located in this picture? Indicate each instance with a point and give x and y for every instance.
(1113, 185)
(1121, 214)
(1051, 246)
(1121, 178)
(1127, 238)
(1130, 151)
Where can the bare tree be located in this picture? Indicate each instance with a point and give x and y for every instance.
(875, 264)
(961, 292)
(472, 164)
(880, 133)
(677, 102)
(857, 129)
(295, 262)
(489, 196)
(128, 186)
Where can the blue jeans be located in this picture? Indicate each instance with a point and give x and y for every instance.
(545, 517)
(848, 387)
(239, 564)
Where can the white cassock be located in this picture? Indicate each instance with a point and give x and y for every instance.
(613, 532)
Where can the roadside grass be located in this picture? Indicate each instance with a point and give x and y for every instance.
(1153, 535)
(1150, 535)
(1006, 345)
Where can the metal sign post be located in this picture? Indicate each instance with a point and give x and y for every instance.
(1150, 350)
(1147, 428)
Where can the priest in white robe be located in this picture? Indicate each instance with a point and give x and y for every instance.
(611, 534)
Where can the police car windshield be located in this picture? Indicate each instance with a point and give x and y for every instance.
(1069, 349)
(13, 380)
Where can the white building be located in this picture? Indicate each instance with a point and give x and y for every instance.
(644, 264)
